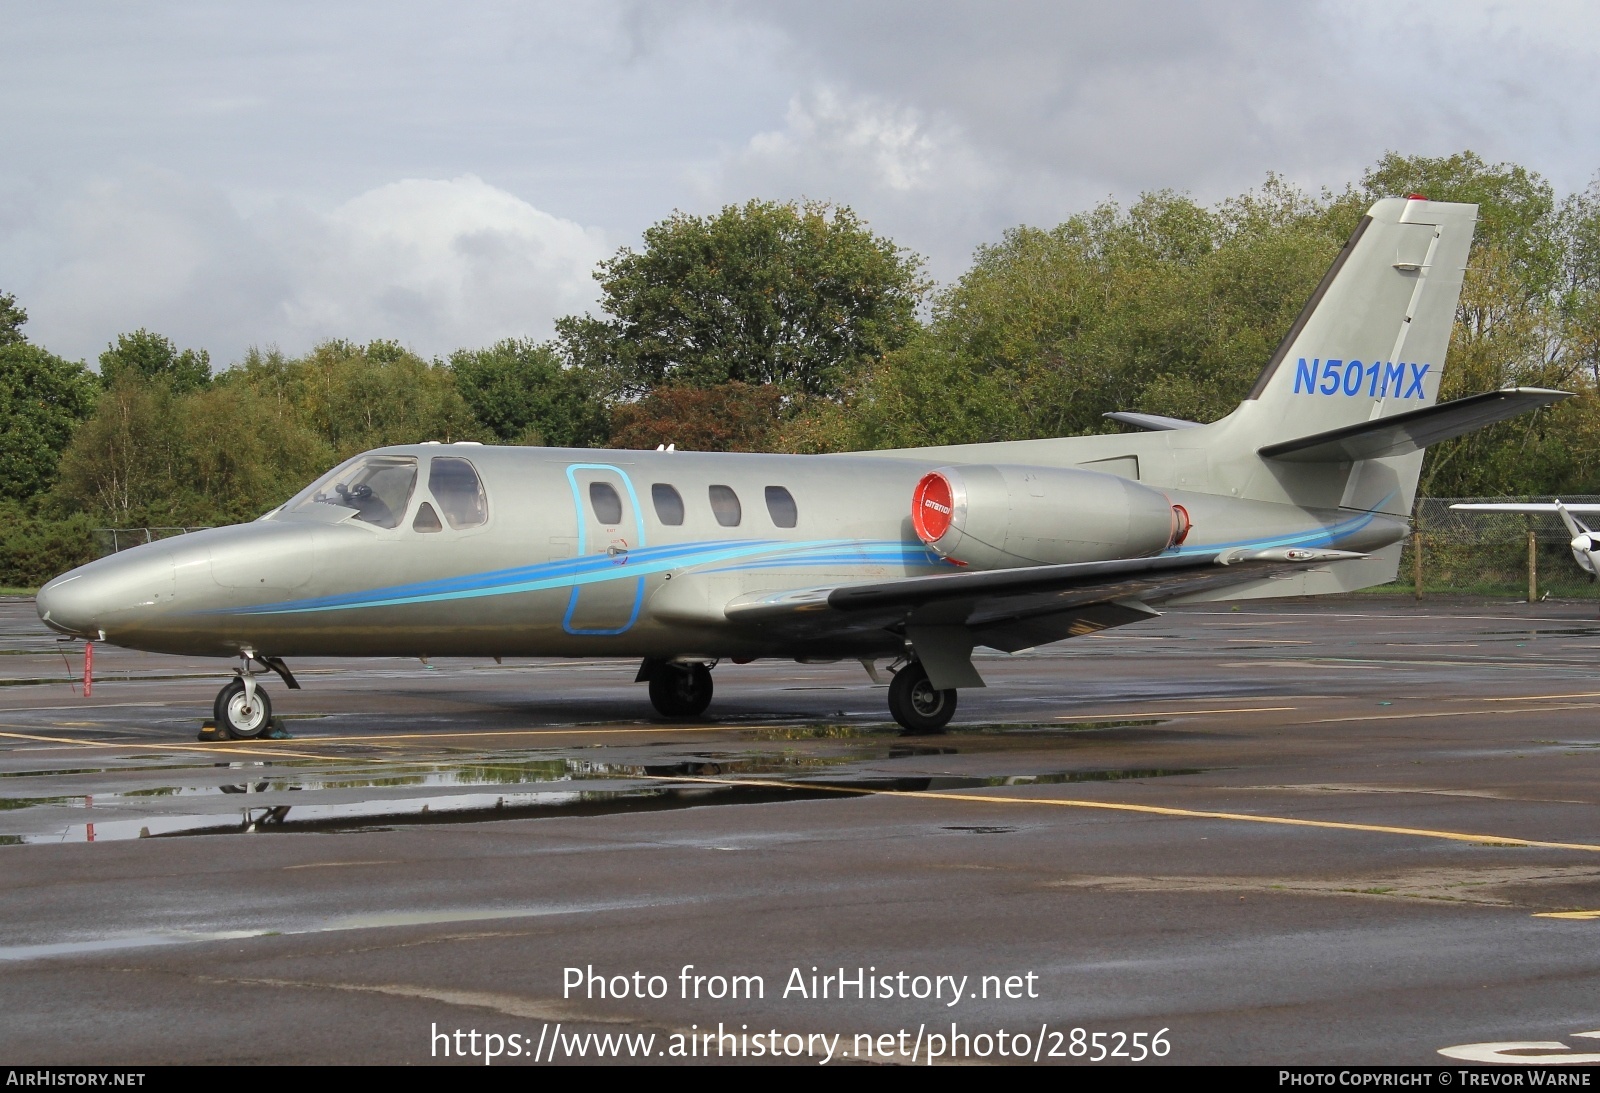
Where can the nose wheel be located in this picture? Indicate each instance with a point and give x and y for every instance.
(916, 704)
(680, 690)
(242, 709)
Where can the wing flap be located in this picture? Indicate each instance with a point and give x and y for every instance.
(1012, 605)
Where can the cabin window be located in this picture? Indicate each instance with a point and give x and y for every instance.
(454, 483)
(781, 507)
(669, 504)
(377, 487)
(725, 506)
(606, 504)
(426, 519)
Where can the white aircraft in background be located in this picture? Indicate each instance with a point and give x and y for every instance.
(1585, 542)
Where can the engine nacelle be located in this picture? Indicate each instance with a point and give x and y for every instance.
(1002, 517)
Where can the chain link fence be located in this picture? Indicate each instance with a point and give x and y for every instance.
(110, 540)
(1502, 554)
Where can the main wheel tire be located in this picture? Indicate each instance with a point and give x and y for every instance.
(240, 719)
(681, 691)
(916, 704)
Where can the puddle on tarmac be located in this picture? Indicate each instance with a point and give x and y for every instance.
(266, 796)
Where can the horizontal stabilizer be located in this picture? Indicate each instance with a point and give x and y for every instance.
(1154, 422)
(1402, 434)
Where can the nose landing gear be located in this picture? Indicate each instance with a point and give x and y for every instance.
(242, 709)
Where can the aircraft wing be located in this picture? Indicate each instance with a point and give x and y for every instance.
(1529, 506)
(1010, 609)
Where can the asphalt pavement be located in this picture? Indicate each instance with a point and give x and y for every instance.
(1352, 831)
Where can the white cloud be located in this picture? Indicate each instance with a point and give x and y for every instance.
(435, 264)
(911, 178)
(824, 135)
(228, 141)
(440, 264)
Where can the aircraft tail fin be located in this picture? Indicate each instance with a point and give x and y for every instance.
(1370, 344)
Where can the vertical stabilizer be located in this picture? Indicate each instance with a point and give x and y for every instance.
(1370, 343)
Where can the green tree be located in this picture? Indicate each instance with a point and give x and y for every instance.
(1166, 307)
(12, 318)
(155, 358)
(521, 392)
(797, 295)
(42, 400)
(124, 464)
(153, 454)
(354, 397)
(730, 417)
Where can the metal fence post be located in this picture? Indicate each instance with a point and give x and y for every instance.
(1533, 567)
(1416, 562)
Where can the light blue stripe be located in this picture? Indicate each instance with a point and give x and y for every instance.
(638, 521)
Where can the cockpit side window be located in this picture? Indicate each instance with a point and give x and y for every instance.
(455, 484)
(427, 520)
(377, 487)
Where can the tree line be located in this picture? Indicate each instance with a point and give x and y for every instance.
(774, 326)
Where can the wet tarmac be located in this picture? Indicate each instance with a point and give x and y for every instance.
(1358, 831)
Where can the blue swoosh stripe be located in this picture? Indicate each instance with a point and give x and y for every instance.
(566, 573)
(1322, 536)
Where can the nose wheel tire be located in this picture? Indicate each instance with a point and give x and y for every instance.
(239, 717)
(681, 691)
(916, 704)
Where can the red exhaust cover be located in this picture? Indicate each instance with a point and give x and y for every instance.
(930, 507)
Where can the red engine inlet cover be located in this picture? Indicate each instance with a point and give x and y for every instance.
(930, 507)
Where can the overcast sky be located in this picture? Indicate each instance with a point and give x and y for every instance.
(448, 174)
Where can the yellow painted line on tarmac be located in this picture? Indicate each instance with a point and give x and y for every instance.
(1453, 713)
(1580, 916)
(1151, 810)
(223, 749)
(1533, 698)
(1164, 713)
(469, 735)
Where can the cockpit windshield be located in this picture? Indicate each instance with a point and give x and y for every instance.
(378, 487)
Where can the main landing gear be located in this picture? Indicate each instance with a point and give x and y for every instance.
(916, 704)
(243, 710)
(684, 690)
(677, 690)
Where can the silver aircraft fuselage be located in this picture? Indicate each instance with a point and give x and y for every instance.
(543, 576)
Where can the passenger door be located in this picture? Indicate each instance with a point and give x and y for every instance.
(606, 594)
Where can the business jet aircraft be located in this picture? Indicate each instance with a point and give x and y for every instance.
(1585, 543)
(915, 557)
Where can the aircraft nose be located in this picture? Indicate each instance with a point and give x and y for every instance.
(66, 605)
(106, 595)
